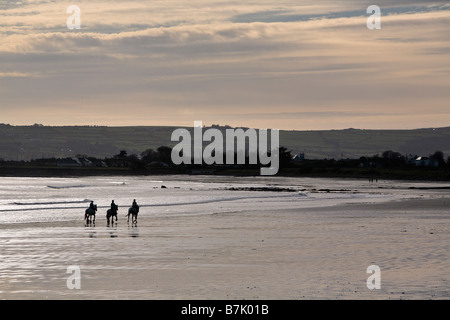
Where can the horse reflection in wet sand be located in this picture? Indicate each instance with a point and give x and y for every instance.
(89, 215)
(133, 211)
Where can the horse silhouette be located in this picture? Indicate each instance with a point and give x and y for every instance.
(89, 213)
(110, 214)
(134, 213)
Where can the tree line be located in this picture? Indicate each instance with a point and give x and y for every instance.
(161, 157)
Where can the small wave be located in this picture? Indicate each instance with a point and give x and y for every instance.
(49, 202)
(67, 187)
(206, 201)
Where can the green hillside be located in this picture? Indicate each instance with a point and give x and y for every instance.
(353, 143)
(28, 142)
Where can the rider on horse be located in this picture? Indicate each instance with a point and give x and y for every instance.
(114, 207)
(93, 208)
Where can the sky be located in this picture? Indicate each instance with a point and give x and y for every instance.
(285, 64)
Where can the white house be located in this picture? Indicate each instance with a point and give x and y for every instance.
(69, 162)
(426, 162)
(298, 157)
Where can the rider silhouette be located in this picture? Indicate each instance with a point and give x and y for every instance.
(114, 207)
(92, 206)
(135, 205)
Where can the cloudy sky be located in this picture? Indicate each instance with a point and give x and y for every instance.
(303, 64)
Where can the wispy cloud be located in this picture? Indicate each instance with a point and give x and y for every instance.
(163, 62)
(288, 15)
(17, 75)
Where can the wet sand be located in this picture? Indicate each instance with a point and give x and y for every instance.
(319, 253)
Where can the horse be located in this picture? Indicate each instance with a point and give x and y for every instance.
(111, 214)
(134, 213)
(89, 213)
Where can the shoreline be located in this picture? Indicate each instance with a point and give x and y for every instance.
(415, 174)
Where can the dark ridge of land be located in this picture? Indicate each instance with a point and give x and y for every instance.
(32, 142)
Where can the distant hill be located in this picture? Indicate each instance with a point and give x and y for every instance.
(37, 141)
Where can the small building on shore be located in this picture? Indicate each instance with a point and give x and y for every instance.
(69, 162)
(426, 162)
(75, 162)
(298, 157)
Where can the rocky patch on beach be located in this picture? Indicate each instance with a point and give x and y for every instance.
(273, 189)
(285, 189)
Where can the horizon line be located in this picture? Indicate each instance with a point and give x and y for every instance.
(38, 125)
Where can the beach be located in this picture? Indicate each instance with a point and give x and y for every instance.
(309, 244)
